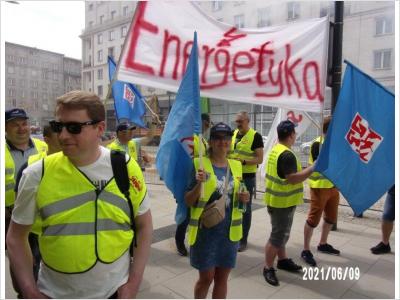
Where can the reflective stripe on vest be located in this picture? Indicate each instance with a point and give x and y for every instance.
(40, 146)
(279, 192)
(82, 225)
(316, 179)
(235, 231)
(116, 145)
(242, 150)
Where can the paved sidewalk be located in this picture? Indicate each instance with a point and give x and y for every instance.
(168, 275)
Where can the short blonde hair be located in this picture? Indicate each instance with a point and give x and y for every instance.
(77, 100)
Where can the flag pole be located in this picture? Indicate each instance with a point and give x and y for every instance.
(201, 163)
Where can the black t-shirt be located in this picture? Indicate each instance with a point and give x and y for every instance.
(286, 164)
(315, 150)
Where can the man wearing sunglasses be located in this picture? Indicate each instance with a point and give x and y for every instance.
(123, 141)
(86, 221)
(247, 147)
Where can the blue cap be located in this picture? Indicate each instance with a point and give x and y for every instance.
(15, 113)
(286, 126)
(125, 126)
(221, 128)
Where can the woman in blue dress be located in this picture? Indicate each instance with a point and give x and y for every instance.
(213, 250)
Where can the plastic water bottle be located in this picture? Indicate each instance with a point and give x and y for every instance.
(242, 189)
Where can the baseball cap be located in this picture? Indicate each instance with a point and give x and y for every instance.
(125, 126)
(221, 128)
(15, 113)
(286, 126)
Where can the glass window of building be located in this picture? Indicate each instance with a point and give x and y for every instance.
(101, 19)
(384, 25)
(125, 11)
(111, 52)
(124, 31)
(11, 81)
(100, 55)
(238, 20)
(216, 5)
(99, 38)
(14, 102)
(90, 6)
(100, 74)
(263, 17)
(111, 35)
(100, 90)
(293, 9)
(90, 23)
(382, 59)
(113, 14)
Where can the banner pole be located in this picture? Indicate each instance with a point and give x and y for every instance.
(201, 164)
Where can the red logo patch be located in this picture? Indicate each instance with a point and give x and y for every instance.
(362, 139)
(136, 183)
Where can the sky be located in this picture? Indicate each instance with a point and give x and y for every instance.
(49, 25)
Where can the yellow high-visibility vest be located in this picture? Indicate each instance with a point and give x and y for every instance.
(317, 180)
(80, 223)
(279, 192)
(243, 149)
(132, 152)
(10, 172)
(235, 231)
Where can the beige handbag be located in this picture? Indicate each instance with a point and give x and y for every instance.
(214, 213)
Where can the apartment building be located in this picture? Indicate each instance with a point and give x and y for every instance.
(34, 78)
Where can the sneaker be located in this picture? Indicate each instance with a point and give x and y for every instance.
(270, 276)
(381, 248)
(308, 257)
(288, 265)
(326, 248)
(182, 251)
(242, 247)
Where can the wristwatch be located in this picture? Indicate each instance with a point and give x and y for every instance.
(244, 162)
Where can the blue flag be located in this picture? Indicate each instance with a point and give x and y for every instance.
(173, 161)
(358, 152)
(128, 102)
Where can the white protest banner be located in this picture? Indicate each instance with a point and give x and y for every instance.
(281, 66)
(300, 118)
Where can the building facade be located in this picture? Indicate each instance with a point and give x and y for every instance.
(35, 78)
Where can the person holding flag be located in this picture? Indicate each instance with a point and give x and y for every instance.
(324, 199)
(213, 250)
(284, 191)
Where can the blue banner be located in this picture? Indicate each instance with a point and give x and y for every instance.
(173, 160)
(128, 102)
(358, 154)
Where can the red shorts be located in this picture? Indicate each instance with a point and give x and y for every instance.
(323, 200)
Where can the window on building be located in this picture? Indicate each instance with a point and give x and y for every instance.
(216, 5)
(36, 105)
(100, 39)
(100, 55)
(238, 20)
(111, 35)
(90, 6)
(124, 31)
(101, 19)
(10, 57)
(35, 84)
(263, 17)
(113, 14)
(89, 44)
(89, 76)
(293, 10)
(125, 11)
(10, 70)
(11, 81)
(100, 90)
(34, 95)
(11, 92)
(382, 59)
(384, 25)
(34, 73)
(90, 23)
(111, 52)
(14, 102)
(100, 74)
(23, 94)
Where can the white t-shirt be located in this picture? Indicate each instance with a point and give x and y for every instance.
(103, 279)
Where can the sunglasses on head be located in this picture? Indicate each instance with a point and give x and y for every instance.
(72, 127)
(221, 137)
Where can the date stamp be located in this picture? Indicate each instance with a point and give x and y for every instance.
(331, 273)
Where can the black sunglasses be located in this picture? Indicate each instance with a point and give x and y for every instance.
(72, 127)
(220, 137)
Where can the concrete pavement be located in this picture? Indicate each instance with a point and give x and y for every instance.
(168, 275)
